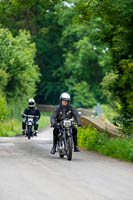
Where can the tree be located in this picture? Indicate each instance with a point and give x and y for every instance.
(40, 19)
(83, 97)
(116, 30)
(67, 52)
(85, 57)
(19, 73)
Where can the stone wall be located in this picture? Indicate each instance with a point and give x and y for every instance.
(86, 119)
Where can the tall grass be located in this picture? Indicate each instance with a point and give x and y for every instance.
(109, 112)
(10, 128)
(13, 126)
(92, 139)
(44, 121)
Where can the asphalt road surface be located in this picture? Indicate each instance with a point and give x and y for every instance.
(29, 172)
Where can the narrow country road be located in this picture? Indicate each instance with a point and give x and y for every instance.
(29, 172)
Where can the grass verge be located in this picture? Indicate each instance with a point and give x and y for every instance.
(44, 121)
(10, 128)
(92, 139)
(13, 127)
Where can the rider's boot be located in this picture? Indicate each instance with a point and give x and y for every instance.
(35, 133)
(76, 148)
(23, 131)
(53, 150)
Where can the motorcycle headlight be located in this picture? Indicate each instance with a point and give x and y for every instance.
(30, 119)
(67, 123)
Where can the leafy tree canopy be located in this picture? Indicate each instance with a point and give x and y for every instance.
(18, 72)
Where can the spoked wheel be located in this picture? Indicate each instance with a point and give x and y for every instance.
(60, 145)
(69, 150)
(29, 132)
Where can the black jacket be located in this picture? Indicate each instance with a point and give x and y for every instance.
(32, 111)
(60, 114)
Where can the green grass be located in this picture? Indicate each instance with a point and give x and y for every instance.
(13, 127)
(44, 121)
(92, 139)
(109, 112)
(10, 128)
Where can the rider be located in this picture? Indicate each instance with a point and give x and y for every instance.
(62, 111)
(31, 110)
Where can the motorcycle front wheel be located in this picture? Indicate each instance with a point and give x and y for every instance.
(69, 148)
(61, 155)
(60, 144)
(29, 132)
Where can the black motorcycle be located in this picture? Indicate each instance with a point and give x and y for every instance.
(65, 138)
(29, 125)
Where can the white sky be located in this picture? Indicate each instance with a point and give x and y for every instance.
(68, 4)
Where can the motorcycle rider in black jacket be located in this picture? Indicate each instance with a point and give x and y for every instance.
(31, 110)
(62, 111)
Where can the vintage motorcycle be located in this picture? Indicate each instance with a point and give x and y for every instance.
(65, 138)
(29, 125)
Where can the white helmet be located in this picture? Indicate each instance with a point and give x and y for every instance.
(31, 103)
(65, 96)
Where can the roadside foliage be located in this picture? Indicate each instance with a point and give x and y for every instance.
(116, 31)
(18, 75)
(92, 139)
(84, 47)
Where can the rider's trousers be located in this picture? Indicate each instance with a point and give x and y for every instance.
(56, 133)
(35, 125)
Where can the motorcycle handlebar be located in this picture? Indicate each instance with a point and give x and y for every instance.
(32, 116)
(59, 124)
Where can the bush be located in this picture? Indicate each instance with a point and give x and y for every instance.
(10, 128)
(92, 139)
(44, 121)
(83, 97)
(89, 138)
(3, 108)
(13, 127)
(109, 112)
(18, 71)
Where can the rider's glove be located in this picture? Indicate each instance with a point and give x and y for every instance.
(23, 115)
(37, 118)
(79, 124)
(55, 126)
